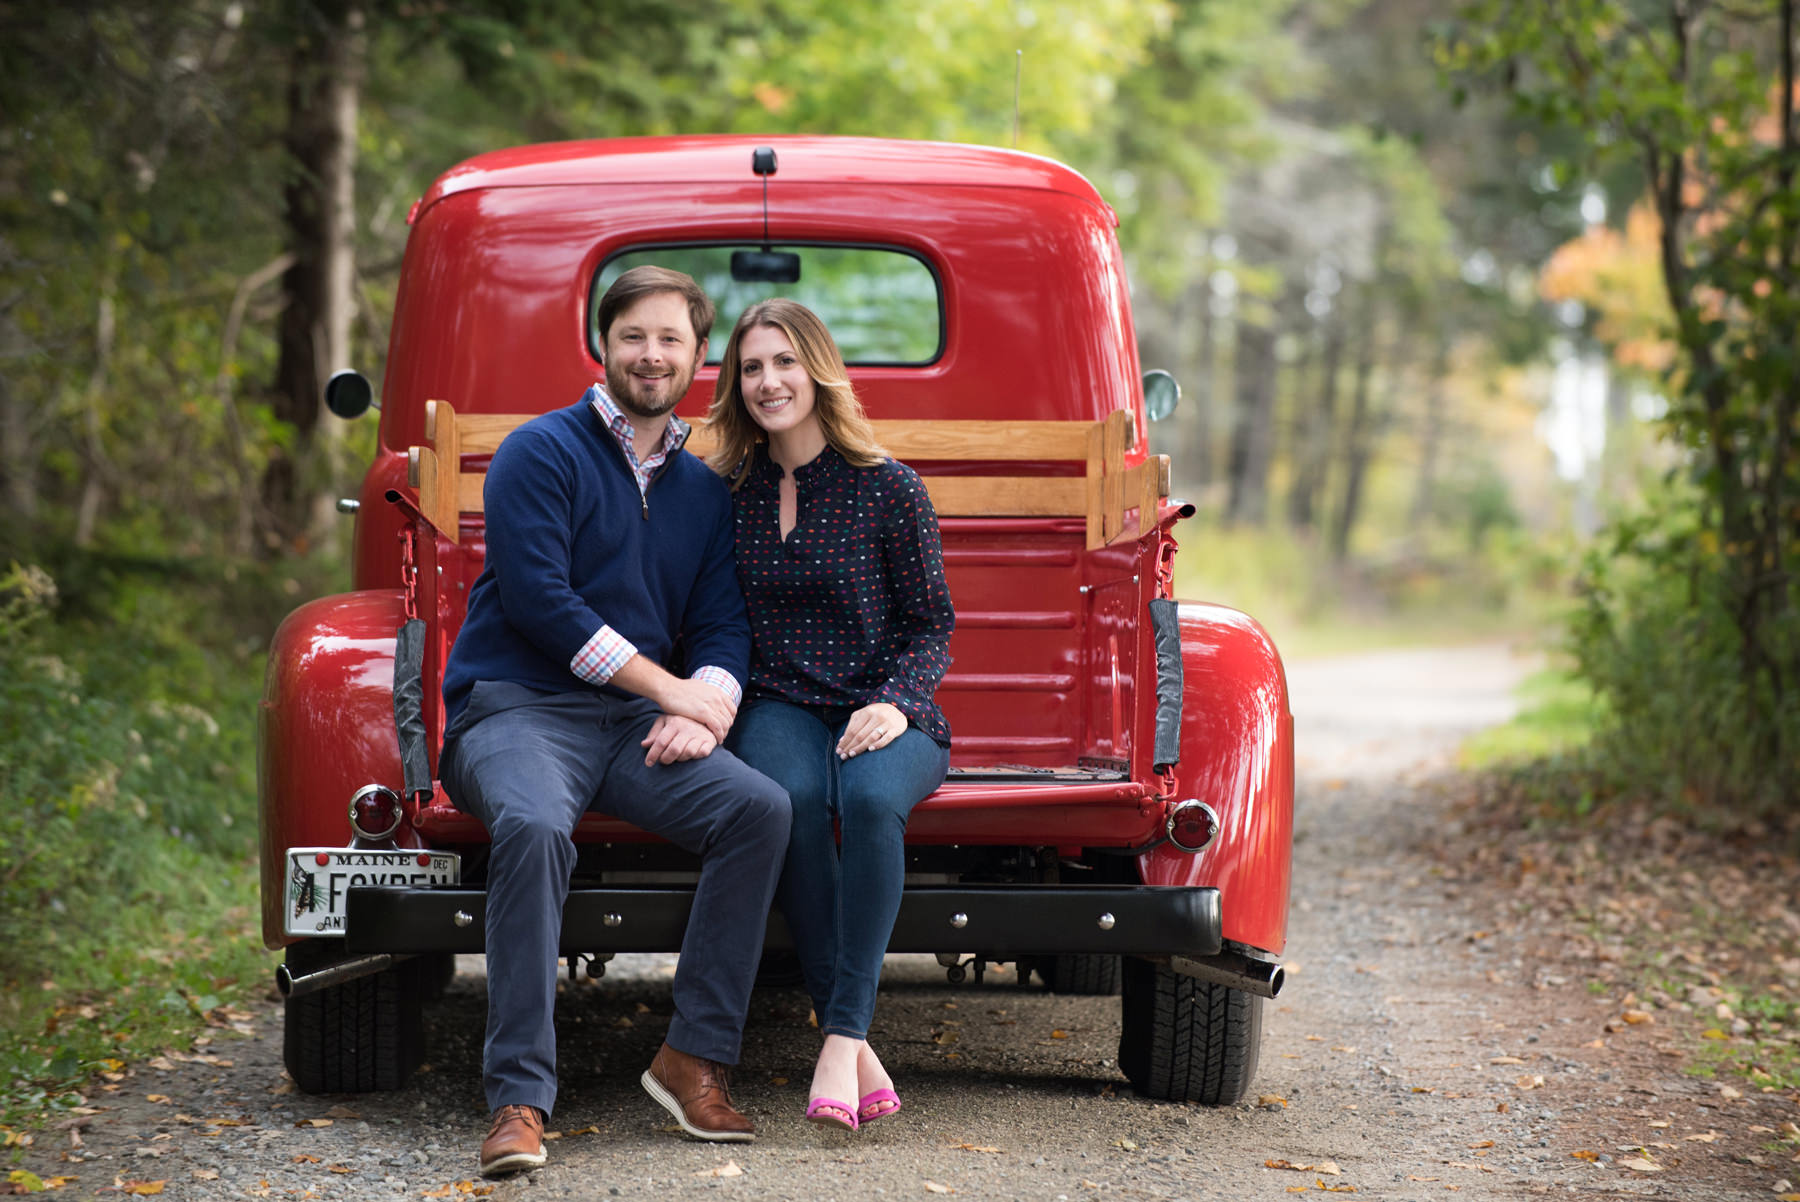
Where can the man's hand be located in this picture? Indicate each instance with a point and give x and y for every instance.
(673, 739)
(871, 727)
(703, 703)
(707, 704)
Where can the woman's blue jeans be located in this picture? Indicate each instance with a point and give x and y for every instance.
(840, 903)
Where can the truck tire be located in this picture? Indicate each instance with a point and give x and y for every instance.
(361, 1036)
(1185, 1040)
(1092, 976)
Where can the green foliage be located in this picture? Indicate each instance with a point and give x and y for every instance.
(1656, 636)
(127, 879)
(1688, 630)
(1558, 715)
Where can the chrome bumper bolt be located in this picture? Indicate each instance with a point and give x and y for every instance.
(613, 920)
(1106, 922)
(462, 918)
(959, 920)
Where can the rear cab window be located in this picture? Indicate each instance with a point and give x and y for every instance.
(883, 305)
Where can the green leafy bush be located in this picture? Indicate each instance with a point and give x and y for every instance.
(1657, 638)
(128, 915)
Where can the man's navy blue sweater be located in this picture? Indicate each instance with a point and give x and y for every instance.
(572, 546)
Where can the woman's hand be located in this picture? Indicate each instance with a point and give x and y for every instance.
(870, 728)
(673, 738)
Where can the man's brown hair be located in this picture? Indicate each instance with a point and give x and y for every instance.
(639, 282)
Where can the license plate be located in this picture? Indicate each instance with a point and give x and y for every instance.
(319, 880)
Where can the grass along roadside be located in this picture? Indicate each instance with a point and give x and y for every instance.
(128, 892)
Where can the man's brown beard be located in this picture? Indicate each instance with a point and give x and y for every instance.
(621, 386)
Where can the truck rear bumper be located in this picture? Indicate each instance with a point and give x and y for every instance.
(998, 921)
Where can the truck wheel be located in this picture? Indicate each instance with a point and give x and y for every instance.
(1185, 1040)
(357, 1037)
(1094, 976)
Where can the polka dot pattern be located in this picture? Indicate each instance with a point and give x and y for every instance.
(852, 607)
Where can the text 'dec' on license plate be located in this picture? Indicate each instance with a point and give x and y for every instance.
(319, 880)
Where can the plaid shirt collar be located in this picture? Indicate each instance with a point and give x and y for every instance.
(674, 434)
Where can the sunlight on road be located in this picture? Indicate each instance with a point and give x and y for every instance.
(1387, 712)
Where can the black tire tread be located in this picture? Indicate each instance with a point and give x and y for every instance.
(359, 1037)
(1083, 975)
(1186, 1040)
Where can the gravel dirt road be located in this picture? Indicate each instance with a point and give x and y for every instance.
(1417, 1053)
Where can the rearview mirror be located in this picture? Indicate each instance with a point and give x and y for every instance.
(348, 394)
(765, 267)
(1161, 394)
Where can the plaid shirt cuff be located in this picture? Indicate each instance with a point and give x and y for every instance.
(720, 679)
(602, 655)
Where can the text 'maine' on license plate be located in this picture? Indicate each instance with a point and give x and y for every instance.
(319, 880)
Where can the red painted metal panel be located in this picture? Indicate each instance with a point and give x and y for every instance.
(325, 728)
(1237, 754)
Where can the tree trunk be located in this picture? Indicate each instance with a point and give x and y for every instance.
(18, 455)
(94, 463)
(1431, 435)
(1359, 439)
(1253, 429)
(1200, 421)
(319, 301)
(1312, 441)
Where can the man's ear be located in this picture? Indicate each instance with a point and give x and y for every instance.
(700, 354)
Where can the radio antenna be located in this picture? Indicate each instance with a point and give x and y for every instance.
(1018, 71)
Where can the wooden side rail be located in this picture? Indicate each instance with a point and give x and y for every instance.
(1102, 495)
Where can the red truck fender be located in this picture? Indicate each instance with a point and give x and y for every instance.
(325, 728)
(1237, 755)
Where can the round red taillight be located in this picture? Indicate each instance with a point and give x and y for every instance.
(1193, 826)
(375, 812)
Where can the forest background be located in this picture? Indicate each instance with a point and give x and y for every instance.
(1485, 315)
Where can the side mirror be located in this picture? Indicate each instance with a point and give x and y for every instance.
(1161, 394)
(348, 394)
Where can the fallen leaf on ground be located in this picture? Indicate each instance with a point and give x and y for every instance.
(339, 1168)
(1726, 1091)
(1329, 1168)
(932, 1187)
(1486, 1143)
(1506, 1060)
(728, 1169)
(303, 1158)
(1416, 1177)
(1707, 1138)
(206, 1174)
(161, 1064)
(143, 1189)
(1587, 1154)
(1535, 1081)
(341, 1112)
(1059, 1034)
(1639, 1018)
(1334, 1189)
(977, 1148)
(1640, 1164)
(161, 1099)
(1269, 1099)
(778, 1080)
(1126, 1143)
(583, 1131)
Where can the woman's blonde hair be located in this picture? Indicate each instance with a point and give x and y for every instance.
(841, 415)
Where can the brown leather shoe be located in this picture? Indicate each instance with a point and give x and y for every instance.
(697, 1093)
(515, 1141)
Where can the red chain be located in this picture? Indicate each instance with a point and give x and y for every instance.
(409, 573)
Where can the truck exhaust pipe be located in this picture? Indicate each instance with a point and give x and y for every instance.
(291, 985)
(1260, 977)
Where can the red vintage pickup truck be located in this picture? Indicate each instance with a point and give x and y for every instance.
(1118, 814)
